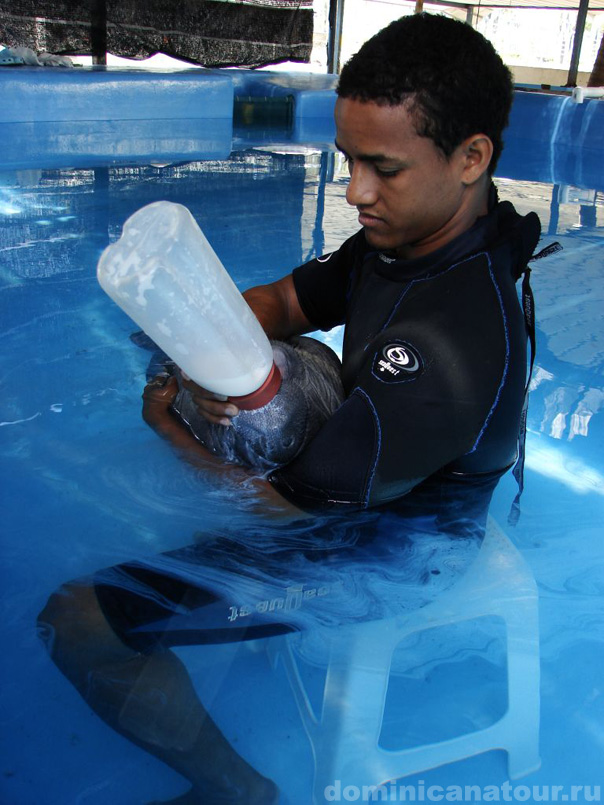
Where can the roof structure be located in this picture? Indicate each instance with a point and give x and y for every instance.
(209, 32)
(594, 5)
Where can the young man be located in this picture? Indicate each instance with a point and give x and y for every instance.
(434, 368)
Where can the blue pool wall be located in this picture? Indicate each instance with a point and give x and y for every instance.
(31, 94)
(53, 117)
(555, 140)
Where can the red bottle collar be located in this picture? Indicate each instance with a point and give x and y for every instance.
(262, 395)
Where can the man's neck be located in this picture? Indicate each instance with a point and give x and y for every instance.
(474, 206)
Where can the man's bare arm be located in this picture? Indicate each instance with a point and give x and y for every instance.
(277, 308)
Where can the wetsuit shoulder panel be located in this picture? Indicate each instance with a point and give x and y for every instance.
(322, 284)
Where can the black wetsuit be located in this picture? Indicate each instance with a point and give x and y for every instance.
(434, 364)
(434, 369)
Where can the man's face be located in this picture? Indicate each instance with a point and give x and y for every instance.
(410, 198)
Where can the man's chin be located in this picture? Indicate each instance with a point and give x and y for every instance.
(382, 244)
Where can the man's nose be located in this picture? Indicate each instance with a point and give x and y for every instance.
(361, 190)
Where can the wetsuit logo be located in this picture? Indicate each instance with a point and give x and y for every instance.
(402, 357)
(325, 258)
(397, 362)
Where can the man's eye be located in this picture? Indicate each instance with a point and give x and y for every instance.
(388, 172)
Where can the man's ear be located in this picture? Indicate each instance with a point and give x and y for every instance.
(477, 152)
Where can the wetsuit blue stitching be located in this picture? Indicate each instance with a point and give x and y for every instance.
(428, 279)
(376, 419)
(505, 328)
(506, 363)
(396, 307)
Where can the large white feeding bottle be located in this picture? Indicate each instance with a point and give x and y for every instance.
(165, 275)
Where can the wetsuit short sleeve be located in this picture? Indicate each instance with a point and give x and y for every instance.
(322, 284)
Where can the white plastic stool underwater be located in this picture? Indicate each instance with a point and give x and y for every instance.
(345, 735)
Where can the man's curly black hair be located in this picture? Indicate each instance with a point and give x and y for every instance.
(452, 77)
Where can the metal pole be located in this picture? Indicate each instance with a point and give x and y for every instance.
(578, 41)
(98, 31)
(334, 45)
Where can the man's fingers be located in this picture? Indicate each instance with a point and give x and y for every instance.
(215, 411)
(161, 389)
(215, 408)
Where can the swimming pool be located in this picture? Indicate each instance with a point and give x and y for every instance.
(87, 485)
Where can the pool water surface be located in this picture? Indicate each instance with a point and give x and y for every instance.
(86, 484)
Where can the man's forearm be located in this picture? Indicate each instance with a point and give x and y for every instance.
(277, 309)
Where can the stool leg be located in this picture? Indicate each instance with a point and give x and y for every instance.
(353, 707)
(523, 689)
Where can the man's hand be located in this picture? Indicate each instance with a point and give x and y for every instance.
(216, 409)
(158, 396)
